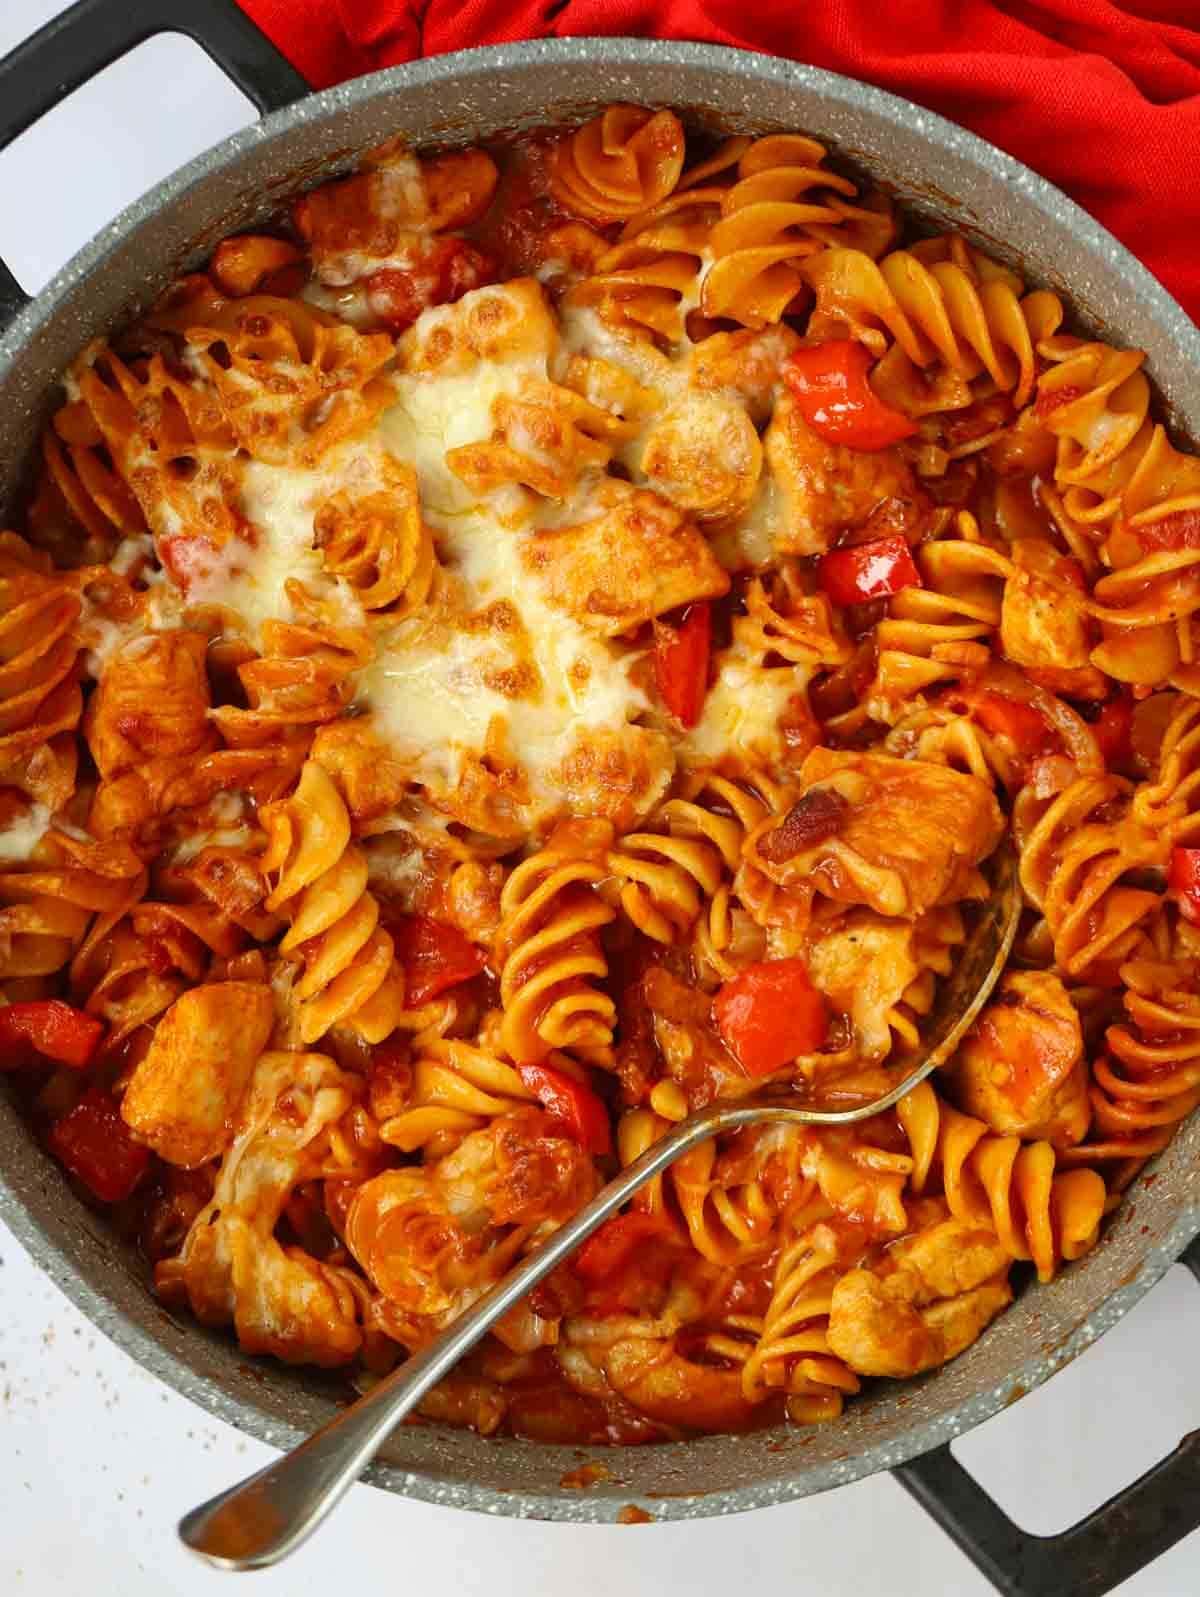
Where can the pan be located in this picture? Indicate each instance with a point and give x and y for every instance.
(951, 179)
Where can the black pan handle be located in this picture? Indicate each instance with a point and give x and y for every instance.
(1121, 1537)
(92, 34)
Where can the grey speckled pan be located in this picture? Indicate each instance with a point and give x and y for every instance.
(950, 178)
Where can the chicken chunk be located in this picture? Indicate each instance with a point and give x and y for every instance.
(927, 1301)
(232, 1268)
(704, 455)
(519, 1170)
(825, 488)
(638, 558)
(153, 700)
(746, 361)
(494, 323)
(183, 1097)
(863, 964)
(1022, 1068)
(897, 835)
(1043, 626)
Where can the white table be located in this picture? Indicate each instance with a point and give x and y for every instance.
(98, 1460)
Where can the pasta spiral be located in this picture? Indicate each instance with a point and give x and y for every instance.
(1002, 1183)
(167, 439)
(350, 976)
(619, 163)
(291, 380)
(548, 953)
(674, 875)
(968, 316)
(302, 678)
(1073, 859)
(1170, 804)
(72, 888)
(40, 698)
(380, 544)
(791, 1348)
(543, 439)
(1149, 1079)
(766, 228)
(934, 633)
(456, 1088)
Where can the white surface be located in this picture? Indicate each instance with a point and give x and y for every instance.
(98, 1460)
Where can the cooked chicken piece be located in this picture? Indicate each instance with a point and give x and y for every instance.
(495, 323)
(897, 835)
(152, 700)
(746, 361)
(412, 1249)
(1043, 625)
(824, 488)
(704, 455)
(863, 964)
(184, 1095)
(1022, 1068)
(634, 560)
(519, 1170)
(926, 1302)
(231, 1266)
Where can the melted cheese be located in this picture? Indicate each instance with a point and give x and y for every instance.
(444, 685)
(21, 836)
(741, 713)
(281, 502)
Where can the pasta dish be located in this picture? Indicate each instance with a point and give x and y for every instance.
(551, 636)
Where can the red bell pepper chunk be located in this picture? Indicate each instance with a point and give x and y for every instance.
(769, 1014)
(863, 571)
(1113, 730)
(98, 1148)
(1179, 530)
(50, 1028)
(607, 1251)
(1026, 728)
(1183, 880)
(434, 956)
(581, 1112)
(834, 395)
(681, 655)
(187, 558)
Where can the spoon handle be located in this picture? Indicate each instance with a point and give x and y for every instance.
(268, 1515)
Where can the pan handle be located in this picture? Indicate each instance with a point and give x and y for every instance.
(92, 34)
(1119, 1538)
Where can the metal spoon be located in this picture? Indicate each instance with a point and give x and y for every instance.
(267, 1516)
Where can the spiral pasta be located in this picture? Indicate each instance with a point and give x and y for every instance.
(40, 698)
(963, 314)
(1148, 1080)
(671, 876)
(619, 163)
(303, 677)
(70, 890)
(1036, 1212)
(380, 545)
(1074, 859)
(548, 954)
(456, 1088)
(791, 1349)
(279, 367)
(349, 974)
(936, 633)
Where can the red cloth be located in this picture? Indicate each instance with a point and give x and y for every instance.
(1103, 99)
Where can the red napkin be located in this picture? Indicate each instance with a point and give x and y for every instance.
(1102, 99)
